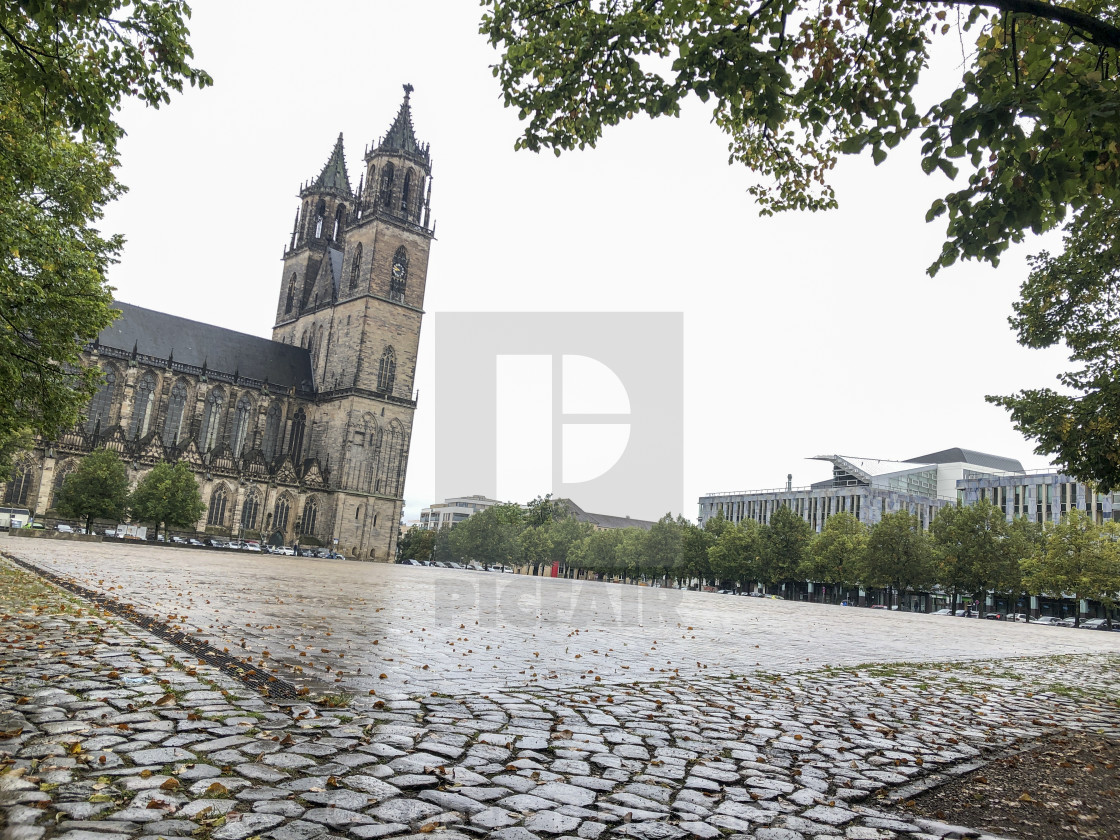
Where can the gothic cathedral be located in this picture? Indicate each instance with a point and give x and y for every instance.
(304, 437)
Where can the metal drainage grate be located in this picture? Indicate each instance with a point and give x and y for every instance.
(267, 684)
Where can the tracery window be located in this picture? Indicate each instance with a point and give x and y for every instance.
(398, 275)
(240, 425)
(387, 371)
(356, 267)
(19, 486)
(142, 400)
(102, 403)
(386, 195)
(339, 217)
(212, 419)
(173, 422)
(217, 514)
(406, 191)
(280, 514)
(295, 441)
(271, 431)
(310, 515)
(250, 511)
(290, 302)
(320, 214)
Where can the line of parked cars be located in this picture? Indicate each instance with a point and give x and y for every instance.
(1045, 621)
(450, 564)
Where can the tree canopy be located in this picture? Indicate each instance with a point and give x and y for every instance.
(794, 85)
(96, 489)
(1070, 299)
(168, 495)
(64, 71)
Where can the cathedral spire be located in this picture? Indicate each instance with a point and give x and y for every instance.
(401, 137)
(333, 176)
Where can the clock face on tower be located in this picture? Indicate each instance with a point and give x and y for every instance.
(398, 271)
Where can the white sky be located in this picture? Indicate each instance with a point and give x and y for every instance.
(805, 334)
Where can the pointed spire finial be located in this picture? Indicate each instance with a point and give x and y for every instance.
(401, 137)
(334, 174)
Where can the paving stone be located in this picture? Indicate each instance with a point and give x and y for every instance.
(493, 818)
(550, 822)
(407, 811)
(247, 825)
(829, 816)
(700, 829)
(565, 794)
(377, 830)
(375, 789)
(161, 756)
(298, 830)
(347, 799)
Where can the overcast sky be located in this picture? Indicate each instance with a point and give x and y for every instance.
(804, 334)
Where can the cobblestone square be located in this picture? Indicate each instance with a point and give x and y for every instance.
(478, 704)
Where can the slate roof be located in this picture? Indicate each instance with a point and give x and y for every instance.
(401, 136)
(190, 342)
(969, 456)
(333, 176)
(602, 520)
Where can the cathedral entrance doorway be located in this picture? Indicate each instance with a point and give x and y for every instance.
(277, 538)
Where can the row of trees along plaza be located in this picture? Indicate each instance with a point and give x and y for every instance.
(99, 489)
(969, 554)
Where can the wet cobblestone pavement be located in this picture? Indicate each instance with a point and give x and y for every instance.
(109, 733)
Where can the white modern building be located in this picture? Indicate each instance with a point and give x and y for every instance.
(452, 511)
(868, 488)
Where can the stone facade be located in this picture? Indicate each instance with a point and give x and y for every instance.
(306, 435)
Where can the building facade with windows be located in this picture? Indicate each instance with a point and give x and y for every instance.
(451, 512)
(306, 434)
(867, 488)
(1041, 497)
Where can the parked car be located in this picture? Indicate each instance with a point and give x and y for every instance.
(63, 528)
(994, 616)
(1068, 622)
(251, 545)
(1095, 624)
(178, 540)
(286, 550)
(945, 611)
(1048, 621)
(1020, 617)
(193, 541)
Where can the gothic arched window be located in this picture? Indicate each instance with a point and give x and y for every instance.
(386, 197)
(356, 267)
(339, 218)
(19, 485)
(271, 431)
(295, 441)
(406, 192)
(310, 515)
(398, 275)
(320, 214)
(173, 422)
(142, 400)
(240, 425)
(217, 514)
(59, 479)
(250, 511)
(102, 404)
(280, 515)
(290, 302)
(387, 371)
(212, 419)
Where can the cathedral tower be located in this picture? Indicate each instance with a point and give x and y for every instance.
(352, 293)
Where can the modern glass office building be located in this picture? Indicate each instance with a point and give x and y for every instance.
(869, 488)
